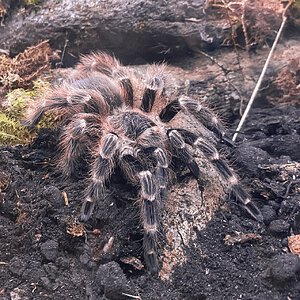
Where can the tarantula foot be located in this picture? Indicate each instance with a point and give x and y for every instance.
(227, 141)
(27, 124)
(87, 209)
(247, 204)
(152, 263)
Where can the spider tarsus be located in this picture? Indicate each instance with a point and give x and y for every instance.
(247, 204)
(150, 253)
(87, 209)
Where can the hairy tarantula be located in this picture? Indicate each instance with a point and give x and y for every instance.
(120, 116)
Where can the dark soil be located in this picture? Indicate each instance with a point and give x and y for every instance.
(45, 253)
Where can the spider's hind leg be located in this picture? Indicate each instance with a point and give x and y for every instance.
(149, 212)
(58, 101)
(236, 189)
(155, 86)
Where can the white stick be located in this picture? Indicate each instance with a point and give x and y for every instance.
(245, 114)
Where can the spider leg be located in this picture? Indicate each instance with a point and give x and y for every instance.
(128, 90)
(126, 85)
(149, 211)
(221, 165)
(154, 87)
(72, 145)
(36, 112)
(76, 138)
(136, 169)
(152, 141)
(66, 103)
(200, 112)
(97, 62)
(101, 170)
(161, 171)
(110, 66)
(178, 143)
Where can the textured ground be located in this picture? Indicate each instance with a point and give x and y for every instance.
(45, 253)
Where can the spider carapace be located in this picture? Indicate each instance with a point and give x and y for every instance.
(125, 117)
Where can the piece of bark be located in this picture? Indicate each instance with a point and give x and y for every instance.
(130, 29)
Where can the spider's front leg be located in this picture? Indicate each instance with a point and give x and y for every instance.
(101, 170)
(182, 152)
(152, 192)
(224, 170)
(203, 114)
(149, 211)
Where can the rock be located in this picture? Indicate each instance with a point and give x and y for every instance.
(284, 268)
(296, 223)
(54, 196)
(279, 227)
(288, 206)
(34, 271)
(284, 242)
(46, 282)
(268, 213)
(275, 205)
(112, 281)
(49, 250)
(249, 158)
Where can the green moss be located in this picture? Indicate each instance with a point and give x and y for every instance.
(11, 132)
(11, 129)
(31, 2)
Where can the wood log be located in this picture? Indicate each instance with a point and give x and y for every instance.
(130, 29)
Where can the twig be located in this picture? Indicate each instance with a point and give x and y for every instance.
(224, 70)
(255, 91)
(59, 65)
(132, 296)
(246, 36)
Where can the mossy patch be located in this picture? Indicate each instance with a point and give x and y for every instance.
(13, 111)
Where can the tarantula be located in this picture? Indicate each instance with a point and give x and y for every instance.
(120, 116)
